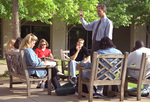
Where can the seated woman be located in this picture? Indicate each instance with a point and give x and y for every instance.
(10, 45)
(32, 60)
(106, 47)
(42, 51)
(17, 44)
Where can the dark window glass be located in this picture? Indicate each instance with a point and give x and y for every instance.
(76, 33)
(39, 31)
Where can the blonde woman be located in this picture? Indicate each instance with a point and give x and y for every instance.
(10, 45)
(32, 59)
(42, 50)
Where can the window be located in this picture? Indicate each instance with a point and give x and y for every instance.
(39, 31)
(76, 33)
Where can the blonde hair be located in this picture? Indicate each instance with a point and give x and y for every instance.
(10, 45)
(26, 42)
(42, 40)
(80, 39)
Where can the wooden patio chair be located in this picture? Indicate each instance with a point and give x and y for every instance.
(65, 61)
(144, 76)
(17, 68)
(114, 64)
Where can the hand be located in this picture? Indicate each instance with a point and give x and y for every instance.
(78, 48)
(81, 15)
(43, 56)
(78, 66)
(45, 62)
(43, 59)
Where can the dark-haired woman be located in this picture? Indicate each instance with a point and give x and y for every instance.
(106, 47)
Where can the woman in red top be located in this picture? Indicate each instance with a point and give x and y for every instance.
(42, 50)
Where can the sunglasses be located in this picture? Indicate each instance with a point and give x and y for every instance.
(43, 44)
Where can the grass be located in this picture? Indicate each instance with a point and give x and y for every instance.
(66, 72)
(5, 75)
(3, 60)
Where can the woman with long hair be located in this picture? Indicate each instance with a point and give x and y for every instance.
(106, 47)
(32, 60)
(10, 45)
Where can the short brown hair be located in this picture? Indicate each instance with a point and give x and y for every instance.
(42, 40)
(102, 6)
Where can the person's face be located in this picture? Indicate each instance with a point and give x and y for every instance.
(43, 45)
(33, 44)
(100, 12)
(80, 43)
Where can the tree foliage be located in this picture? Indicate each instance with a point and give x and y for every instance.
(128, 11)
(30, 10)
(140, 9)
(121, 12)
(68, 10)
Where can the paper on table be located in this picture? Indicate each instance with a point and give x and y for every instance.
(51, 63)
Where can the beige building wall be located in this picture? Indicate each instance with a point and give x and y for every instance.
(137, 33)
(59, 38)
(6, 33)
(58, 35)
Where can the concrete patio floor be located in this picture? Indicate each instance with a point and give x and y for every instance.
(18, 94)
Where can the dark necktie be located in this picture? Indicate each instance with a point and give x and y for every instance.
(94, 38)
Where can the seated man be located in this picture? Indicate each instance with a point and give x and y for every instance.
(77, 54)
(106, 47)
(134, 58)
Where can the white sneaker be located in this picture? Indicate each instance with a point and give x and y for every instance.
(39, 84)
(144, 93)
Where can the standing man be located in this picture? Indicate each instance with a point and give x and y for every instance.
(100, 28)
(77, 55)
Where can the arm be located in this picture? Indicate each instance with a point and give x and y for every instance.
(131, 59)
(109, 29)
(50, 54)
(73, 57)
(84, 23)
(32, 59)
(87, 26)
(86, 52)
(87, 59)
(87, 65)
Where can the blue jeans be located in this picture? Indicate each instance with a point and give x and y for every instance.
(73, 65)
(87, 74)
(41, 72)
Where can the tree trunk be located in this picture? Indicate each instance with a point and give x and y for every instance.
(148, 36)
(15, 17)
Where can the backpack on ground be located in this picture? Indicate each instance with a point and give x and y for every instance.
(66, 89)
